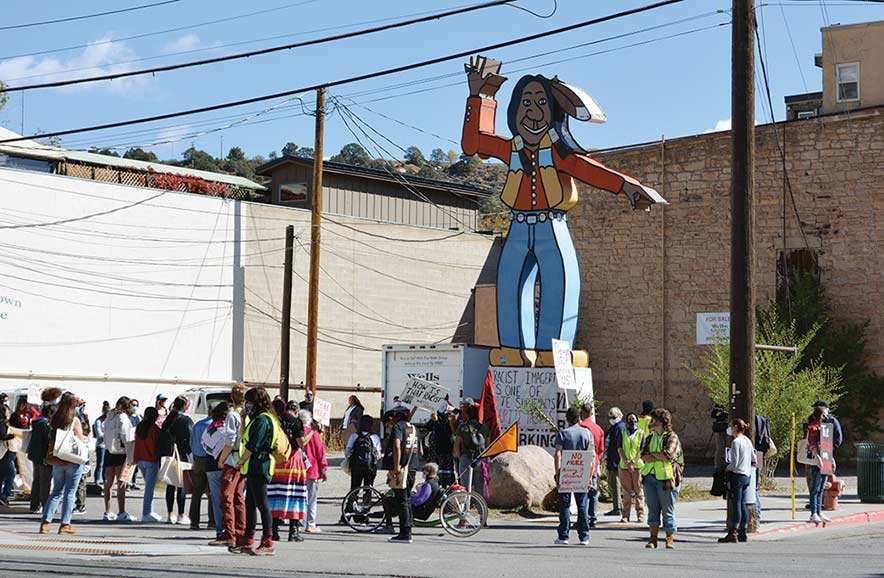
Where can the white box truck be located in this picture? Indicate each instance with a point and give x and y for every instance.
(458, 367)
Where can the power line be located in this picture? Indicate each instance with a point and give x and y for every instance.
(87, 16)
(366, 76)
(160, 32)
(272, 49)
(84, 217)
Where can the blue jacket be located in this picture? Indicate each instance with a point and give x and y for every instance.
(613, 441)
(838, 435)
(196, 436)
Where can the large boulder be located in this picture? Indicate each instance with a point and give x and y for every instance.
(521, 479)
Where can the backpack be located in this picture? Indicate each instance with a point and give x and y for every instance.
(363, 455)
(282, 446)
(474, 442)
(762, 434)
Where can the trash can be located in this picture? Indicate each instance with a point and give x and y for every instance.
(870, 472)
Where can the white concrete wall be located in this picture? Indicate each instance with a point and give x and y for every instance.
(144, 292)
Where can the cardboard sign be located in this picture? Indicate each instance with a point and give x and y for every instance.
(34, 392)
(564, 369)
(423, 394)
(517, 387)
(321, 411)
(585, 391)
(827, 447)
(575, 470)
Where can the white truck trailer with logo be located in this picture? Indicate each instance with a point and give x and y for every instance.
(458, 367)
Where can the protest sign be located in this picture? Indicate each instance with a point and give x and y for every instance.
(423, 394)
(827, 446)
(530, 396)
(34, 392)
(585, 391)
(562, 360)
(322, 411)
(574, 472)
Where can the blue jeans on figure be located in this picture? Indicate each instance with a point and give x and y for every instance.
(592, 498)
(817, 483)
(538, 243)
(739, 488)
(661, 504)
(149, 470)
(214, 478)
(565, 516)
(98, 476)
(65, 480)
(7, 476)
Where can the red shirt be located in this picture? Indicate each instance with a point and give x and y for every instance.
(598, 440)
(146, 449)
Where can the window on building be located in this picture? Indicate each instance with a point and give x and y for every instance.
(848, 81)
(24, 164)
(806, 114)
(790, 263)
(293, 192)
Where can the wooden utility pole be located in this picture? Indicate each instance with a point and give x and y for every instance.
(284, 354)
(315, 238)
(742, 341)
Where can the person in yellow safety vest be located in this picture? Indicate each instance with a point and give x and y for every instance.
(644, 419)
(630, 468)
(256, 464)
(661, 475)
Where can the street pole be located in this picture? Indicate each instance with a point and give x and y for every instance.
(742, 340)
(284, 351)
(315, 238)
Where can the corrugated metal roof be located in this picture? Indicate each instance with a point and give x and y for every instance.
(370, 173)
(34, 150)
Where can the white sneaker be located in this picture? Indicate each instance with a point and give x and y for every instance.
(183, 520)
(825, 518)
(584, 542)
(172, 519)
(815, 518)
(151, 518)
(125, 517)
(109, 516)
(560, 542)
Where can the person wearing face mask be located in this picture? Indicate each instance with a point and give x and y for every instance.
(612, 459)
(232, 496)
(661, 476)
(739, 469)
(631, 441)
(134, 406)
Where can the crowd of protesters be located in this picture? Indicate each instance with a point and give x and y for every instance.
(260, 459)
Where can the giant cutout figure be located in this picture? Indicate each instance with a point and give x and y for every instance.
(543, 159)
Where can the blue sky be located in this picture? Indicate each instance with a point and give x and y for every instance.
(673, 87)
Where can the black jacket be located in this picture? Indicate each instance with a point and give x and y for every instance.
(176, 430)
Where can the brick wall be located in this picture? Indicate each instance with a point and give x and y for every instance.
(647, 275)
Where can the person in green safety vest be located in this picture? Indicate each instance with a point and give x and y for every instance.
(661, 475)
(256, 464)
(631, 441)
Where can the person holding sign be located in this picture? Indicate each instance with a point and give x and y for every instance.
(817, 478)
(577, 441)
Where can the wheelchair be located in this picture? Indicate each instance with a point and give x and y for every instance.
(460, 513)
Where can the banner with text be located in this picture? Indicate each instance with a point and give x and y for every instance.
(562, 360)
(322, 411)
(423, 394)
(523, 395)
(713, 327)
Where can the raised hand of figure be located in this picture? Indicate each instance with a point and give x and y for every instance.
(483, 77)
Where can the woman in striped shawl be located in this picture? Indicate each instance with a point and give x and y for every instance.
(287, 491)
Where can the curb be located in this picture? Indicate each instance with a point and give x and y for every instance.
(848, 520)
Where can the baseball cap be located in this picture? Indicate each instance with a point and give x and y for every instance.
(821, 403)
(468, 401)
(161, 397)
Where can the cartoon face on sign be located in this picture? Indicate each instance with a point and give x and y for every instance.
(543, 159)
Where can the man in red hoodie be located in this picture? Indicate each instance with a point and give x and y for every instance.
(587, 415)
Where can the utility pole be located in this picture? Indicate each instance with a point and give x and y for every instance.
(315, 238)
(742, 342)
(284, 352)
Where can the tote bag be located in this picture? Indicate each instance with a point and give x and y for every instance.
(69, 448)
(172, 469)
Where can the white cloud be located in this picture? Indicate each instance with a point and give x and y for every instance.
(723, 124)
(183, 43)
(96, 59)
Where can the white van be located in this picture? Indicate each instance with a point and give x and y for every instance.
(204, 399)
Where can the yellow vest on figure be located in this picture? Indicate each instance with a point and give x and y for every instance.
(662, 470)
